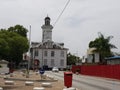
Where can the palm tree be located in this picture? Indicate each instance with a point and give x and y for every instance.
(103, 46)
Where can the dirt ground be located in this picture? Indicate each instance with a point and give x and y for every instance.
(19, 82)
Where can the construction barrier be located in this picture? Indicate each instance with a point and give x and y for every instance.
(108, 71)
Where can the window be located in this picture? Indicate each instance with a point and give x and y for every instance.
(62, 54)
(45, 61)
(45, 53)
(52, 62)
(52, 53)
(61, 62)
(36, 52)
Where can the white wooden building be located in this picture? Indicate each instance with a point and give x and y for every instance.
(115, 60)
(48, 53)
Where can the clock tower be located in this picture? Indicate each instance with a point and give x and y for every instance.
(47, 30)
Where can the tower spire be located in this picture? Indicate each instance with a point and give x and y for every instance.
(47, 20)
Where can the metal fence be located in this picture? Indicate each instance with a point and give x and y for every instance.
(108, 71)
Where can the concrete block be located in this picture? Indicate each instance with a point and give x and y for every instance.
(46, 84)
(71, 88)
(29, 83)
(1, 88)
(38, 88)
(9, 82)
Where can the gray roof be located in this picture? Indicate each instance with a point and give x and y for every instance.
(48, 45)
(111, 58)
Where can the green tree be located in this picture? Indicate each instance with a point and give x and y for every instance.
(72, 59)
(103, 46)
(18, 29)
(19, 45)
(12, 45)
(4, 47)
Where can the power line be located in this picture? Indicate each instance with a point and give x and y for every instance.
(61, 13)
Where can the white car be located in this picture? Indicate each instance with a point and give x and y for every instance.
(55, 69)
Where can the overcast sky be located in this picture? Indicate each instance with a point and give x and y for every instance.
(78, 25)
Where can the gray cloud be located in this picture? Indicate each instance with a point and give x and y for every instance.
(79, 24)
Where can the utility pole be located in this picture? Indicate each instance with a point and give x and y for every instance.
(27, 73)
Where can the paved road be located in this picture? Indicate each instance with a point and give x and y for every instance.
(89, 83)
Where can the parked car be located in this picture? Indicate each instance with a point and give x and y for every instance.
(55, 69)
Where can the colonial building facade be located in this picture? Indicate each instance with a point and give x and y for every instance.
(48, 53)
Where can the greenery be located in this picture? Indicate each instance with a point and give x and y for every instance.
(72, 59)
(103, 46)
(19, 29)
(13, 43)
